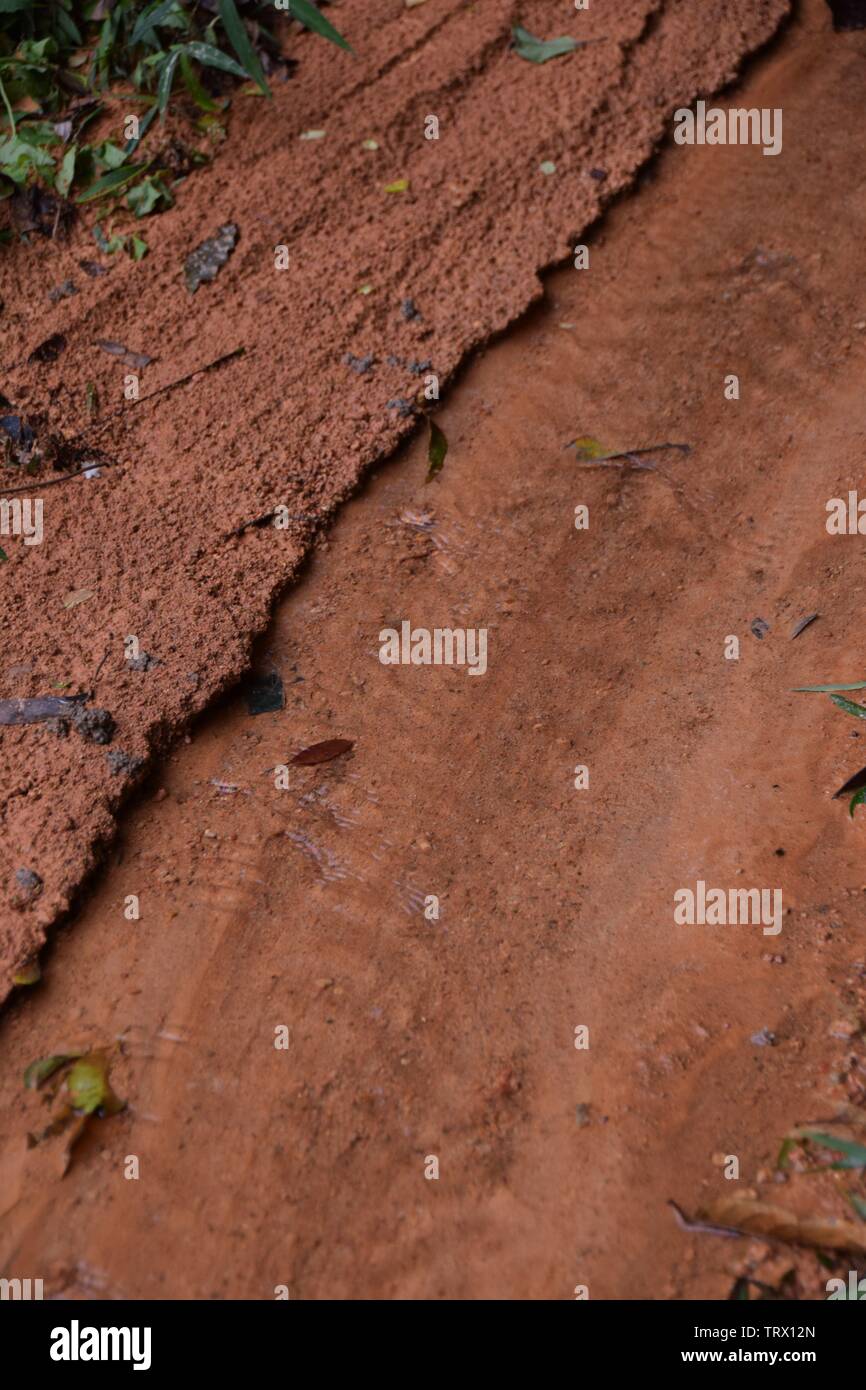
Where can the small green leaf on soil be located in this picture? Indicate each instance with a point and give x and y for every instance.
(369, 144)
(365, 289)
(76, 596)
(437, 448)
(265, 694)
(398, 186)
(857, 799)
(825, 689)
(535, 50)
(111, 182)
(323, 752)
(202, 264)
(29, 974)
(44, 1067)
(849, 706)
(89, 1088)
(588, 448)
(547, 167)
(3, 555)
(240, 42)
(137, 248)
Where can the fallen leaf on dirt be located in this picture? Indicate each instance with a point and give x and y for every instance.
(77, 596)
(265, 693)
(89, 1087)
(323, 752)
(588, 448)
(50, 350)
(29, 974)
(759, 628)
(825, 689)
(803, 624)
(398, 186)
(535, 50)
(849, 706)
(753, 1217)
(43, 1067)
(857, 800)
(437, 448)
(130, 359)
(202, 265)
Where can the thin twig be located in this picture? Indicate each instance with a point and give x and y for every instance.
(54, 482)
(708, 1228)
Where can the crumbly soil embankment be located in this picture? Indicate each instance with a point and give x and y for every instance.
(152, 539)
(453, 1037)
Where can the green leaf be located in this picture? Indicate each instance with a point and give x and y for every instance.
(166, 77)
(148, 20)
(3, 555)
(309, 15)
(194, 87)
(137, 248)
(89, 1087)
(856, 800)
(398, 186)
(110, 183)
(112, 156)
(43, 1067)
(143, 127)
(63, 182)
(859, 1204)
(588, 448)
(825, 689)
(212, 58)
(240, 42)
(859, 711)
(535, 50)
(147, 196)
(437, 448)
(855, 1153)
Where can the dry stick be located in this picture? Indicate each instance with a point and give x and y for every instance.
(632, 454)
(98, 424)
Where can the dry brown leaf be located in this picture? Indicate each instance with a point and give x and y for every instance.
(77, 596)
(765, 1219)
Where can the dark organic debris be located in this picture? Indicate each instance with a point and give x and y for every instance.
(28, 879)
(37, 710)
(759, 628)
(127, 357)
(598, 174)
(803, 624)
(203, 264)
(94, 725)
(143, 662)
(16, 429)
(437, 448)
(854, 784)
(63, 291)
(93, 269)
(418, 368)
(848, 14)
(409, 310)
(35, 210)
(361, 365)
(323, 752)
(122, 763)
(401, 405)
(50, 350)
(265, 693)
